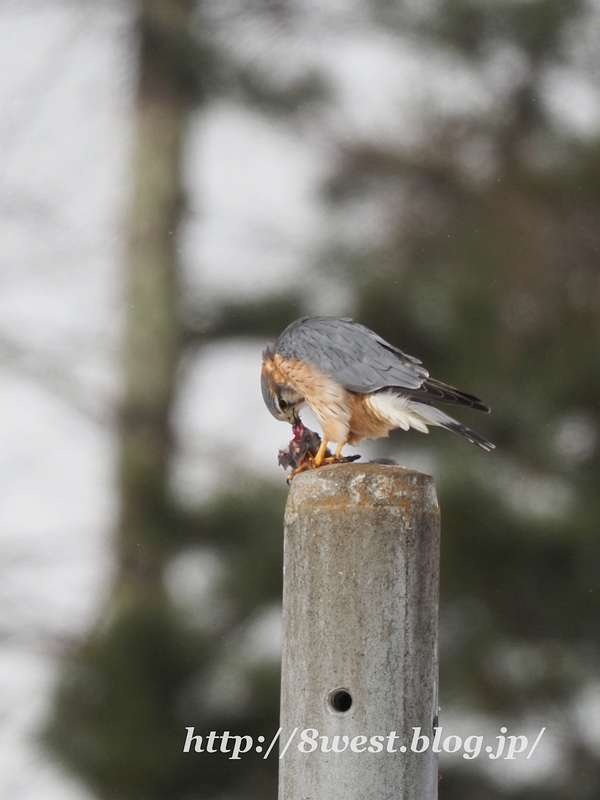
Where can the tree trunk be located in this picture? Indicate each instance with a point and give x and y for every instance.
(152, 337)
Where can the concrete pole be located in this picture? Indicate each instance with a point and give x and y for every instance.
(360, 609)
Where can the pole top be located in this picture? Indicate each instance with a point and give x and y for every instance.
(361, 486)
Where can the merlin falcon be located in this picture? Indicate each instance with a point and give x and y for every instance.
(357, 385)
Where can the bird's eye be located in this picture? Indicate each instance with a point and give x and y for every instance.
(283, 405)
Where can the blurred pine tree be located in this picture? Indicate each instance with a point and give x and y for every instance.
(145, 673)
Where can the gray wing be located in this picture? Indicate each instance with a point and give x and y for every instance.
(354, 356)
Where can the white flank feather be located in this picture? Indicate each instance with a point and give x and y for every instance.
(398, 411)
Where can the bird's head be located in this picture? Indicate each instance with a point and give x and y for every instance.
(281, 398)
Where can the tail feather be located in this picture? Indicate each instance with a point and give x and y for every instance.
(403, 412)
(434, 416)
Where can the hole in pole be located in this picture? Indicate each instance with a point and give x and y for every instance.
(340, 700)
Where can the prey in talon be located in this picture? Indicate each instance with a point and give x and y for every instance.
(357, 385)
(302, 451)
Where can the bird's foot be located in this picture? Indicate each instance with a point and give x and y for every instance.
(323, 461)
(304, 462)
(324, 456)
(307, 451)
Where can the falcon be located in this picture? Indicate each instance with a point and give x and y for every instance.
(357, 385)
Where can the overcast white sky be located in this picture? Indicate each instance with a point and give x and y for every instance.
(254, 224)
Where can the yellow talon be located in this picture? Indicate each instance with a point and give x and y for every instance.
(319, 459)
